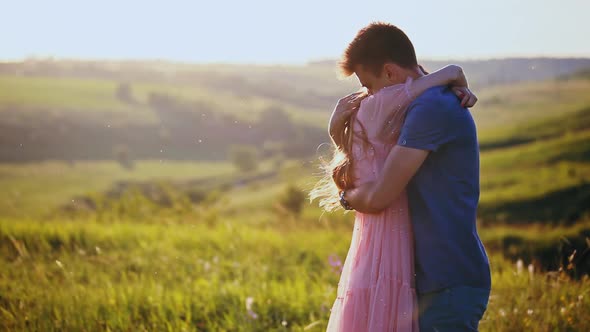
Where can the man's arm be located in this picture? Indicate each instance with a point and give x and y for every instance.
(401, 165)
(426, 128)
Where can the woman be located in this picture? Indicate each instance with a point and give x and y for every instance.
(376, 289)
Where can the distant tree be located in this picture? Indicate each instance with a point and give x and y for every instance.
(292, 200)
(122, 156)
(244, 157)
(124, 93)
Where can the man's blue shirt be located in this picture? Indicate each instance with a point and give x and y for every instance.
(444, 193)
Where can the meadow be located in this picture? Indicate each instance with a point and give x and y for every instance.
(227, 276)
(198, 245)
(236, 263)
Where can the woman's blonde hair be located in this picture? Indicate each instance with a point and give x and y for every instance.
(338, 173)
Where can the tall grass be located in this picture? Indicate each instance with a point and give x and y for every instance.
(81, 276)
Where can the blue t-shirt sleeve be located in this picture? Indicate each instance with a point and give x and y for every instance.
(426, 126)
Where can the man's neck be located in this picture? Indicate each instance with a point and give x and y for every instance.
(404, 74)
(413, 73)
(401, 77)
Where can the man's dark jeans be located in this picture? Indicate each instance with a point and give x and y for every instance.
(452, 309)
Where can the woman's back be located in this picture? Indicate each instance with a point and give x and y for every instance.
(376, 290)
(378, 116)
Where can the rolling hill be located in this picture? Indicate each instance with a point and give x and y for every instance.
(85, 110)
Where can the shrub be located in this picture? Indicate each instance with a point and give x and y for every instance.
(292, 199)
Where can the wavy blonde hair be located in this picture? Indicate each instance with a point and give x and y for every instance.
(338, 173)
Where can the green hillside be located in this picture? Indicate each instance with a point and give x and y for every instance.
(96, 98)
(503, 107)
(551, 126)
(539, 171)
(307, 93)
(168, 245)
(534, 137)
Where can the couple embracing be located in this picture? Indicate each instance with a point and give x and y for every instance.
(407, 161)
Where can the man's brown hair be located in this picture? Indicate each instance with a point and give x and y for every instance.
(377, 44)
(373, 46)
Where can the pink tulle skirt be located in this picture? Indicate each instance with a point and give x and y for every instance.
(376, 291)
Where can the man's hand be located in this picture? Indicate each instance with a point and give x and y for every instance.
(343, 110)
(401, 165)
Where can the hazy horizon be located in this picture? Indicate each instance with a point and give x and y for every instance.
(305, 63)
(265, 32)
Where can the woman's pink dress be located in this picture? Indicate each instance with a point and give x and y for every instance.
(376, 290)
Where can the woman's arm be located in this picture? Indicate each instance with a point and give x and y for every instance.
(448, 75)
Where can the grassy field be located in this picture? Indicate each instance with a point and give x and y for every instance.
(34, 189)
(81, 276)
(234, 258)
(197, 270)
(524, 162)
(542, 167)
(90, 95)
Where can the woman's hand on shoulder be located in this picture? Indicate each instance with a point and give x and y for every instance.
(342, 113)
(460, 86)
(346, 106)
(468, 98)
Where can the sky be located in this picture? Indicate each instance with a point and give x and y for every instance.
(287, 32)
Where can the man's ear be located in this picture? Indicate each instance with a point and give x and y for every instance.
(392, 72)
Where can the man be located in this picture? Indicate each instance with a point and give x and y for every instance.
(436, 160)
